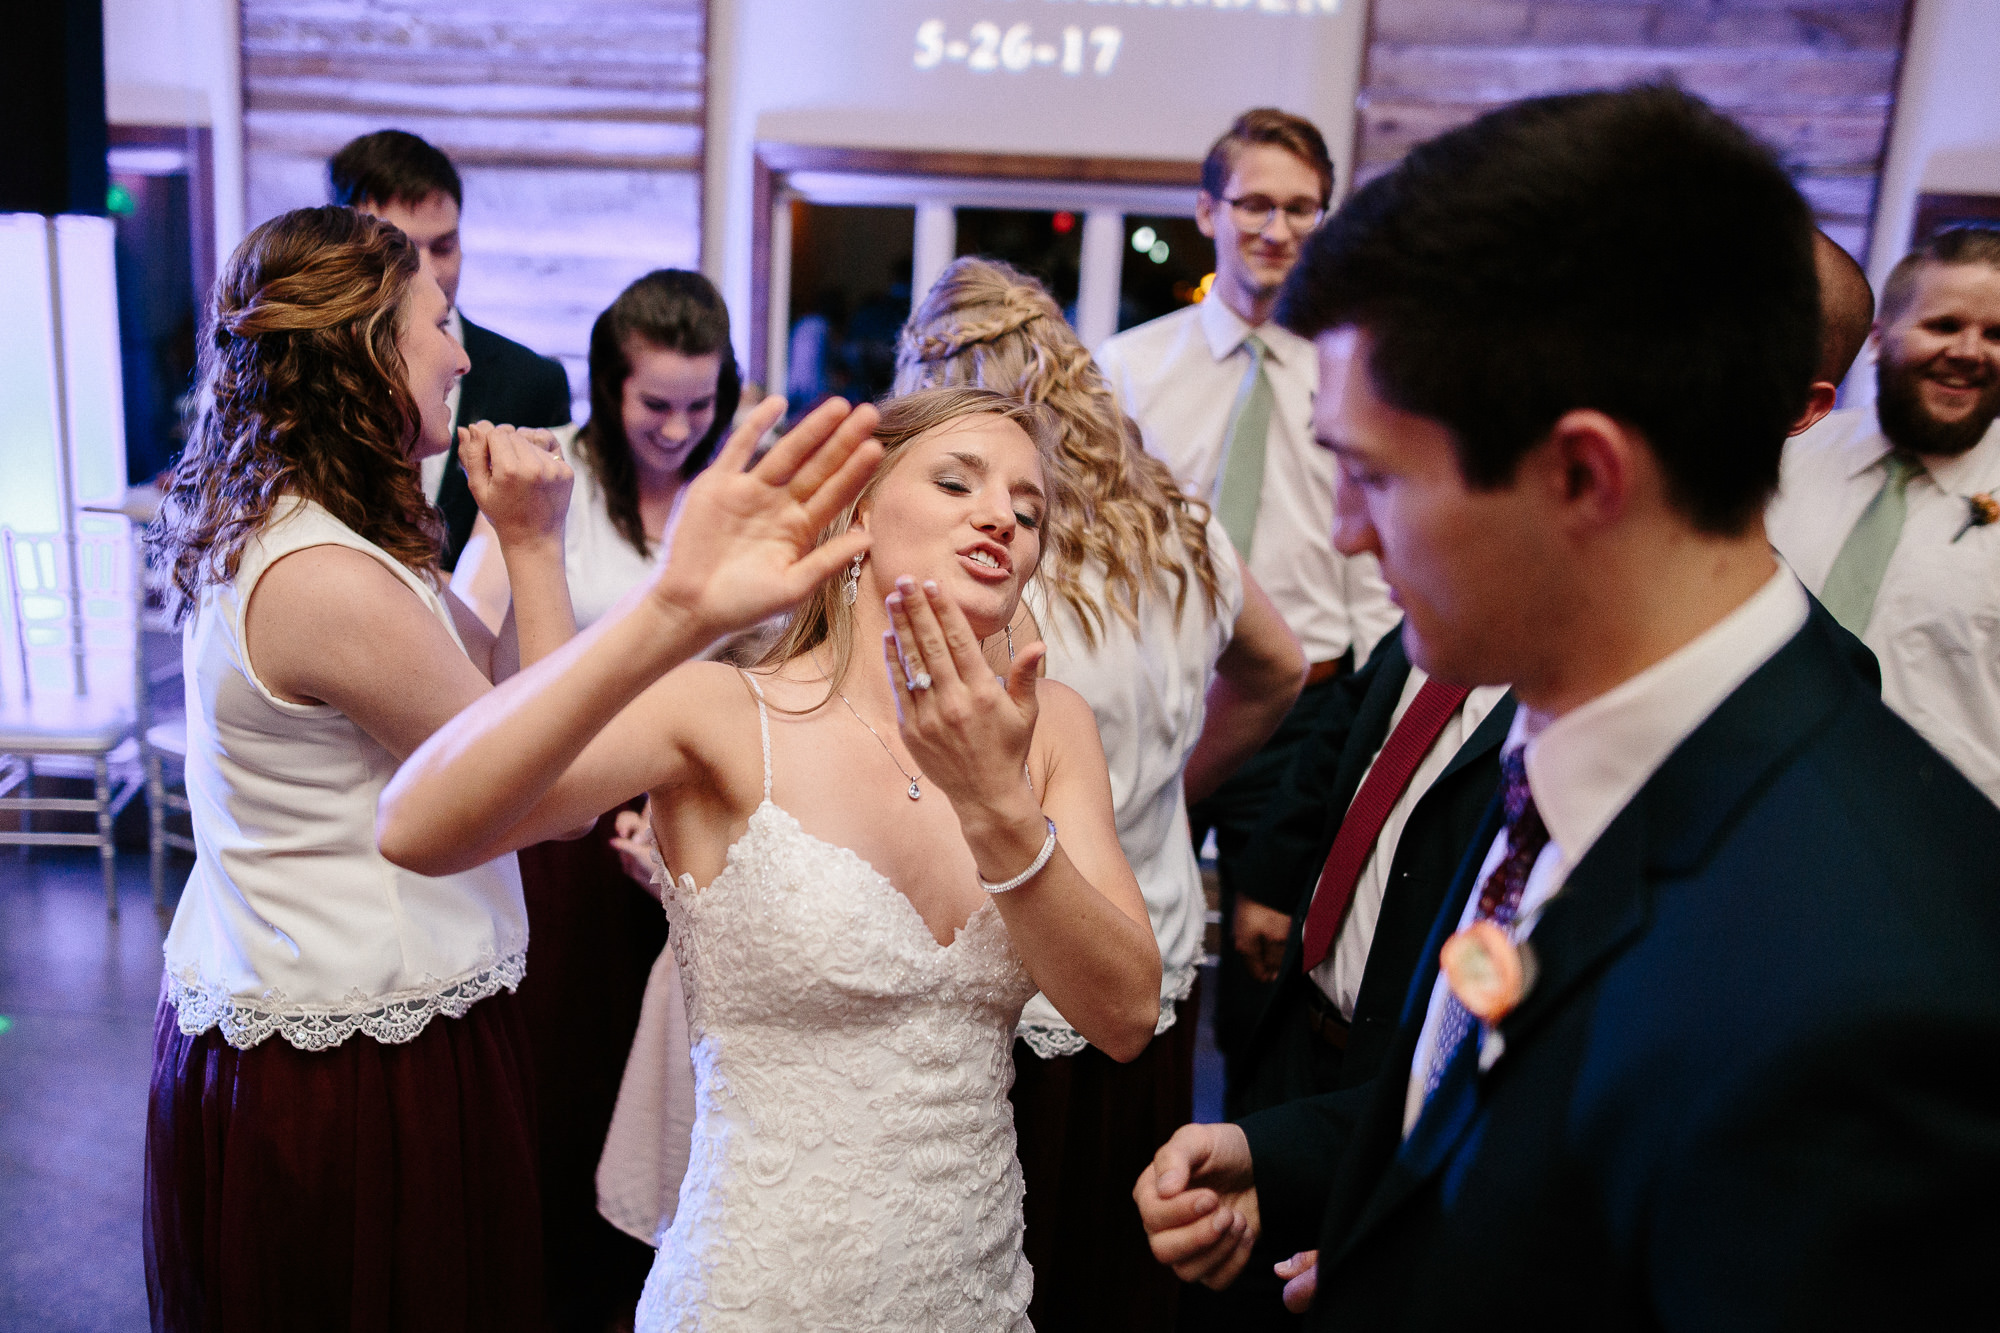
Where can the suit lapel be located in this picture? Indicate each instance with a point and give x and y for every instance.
(1371, 730)
(1485, 739)
(1364, 738)
(1672, 825)
(1668, 829)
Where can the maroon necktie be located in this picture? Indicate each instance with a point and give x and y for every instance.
(1405, 749)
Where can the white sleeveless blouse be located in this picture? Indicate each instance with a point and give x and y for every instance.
(292, 922)
(1148, 689)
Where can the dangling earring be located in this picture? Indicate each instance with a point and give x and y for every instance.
(1010, 641)
(851, 589)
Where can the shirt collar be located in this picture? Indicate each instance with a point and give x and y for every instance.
(1958, 475)
(1585, 766)
(1864, 449)
(1225, 331)
(1867, 448)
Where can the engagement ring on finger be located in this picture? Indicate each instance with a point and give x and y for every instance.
(919, 682)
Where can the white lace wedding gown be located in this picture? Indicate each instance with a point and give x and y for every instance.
(853, 1159)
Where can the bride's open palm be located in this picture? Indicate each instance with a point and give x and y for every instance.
(743, 548)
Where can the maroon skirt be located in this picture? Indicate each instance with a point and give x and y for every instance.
(593, 936)
(366, 1187)
(1085, 1127)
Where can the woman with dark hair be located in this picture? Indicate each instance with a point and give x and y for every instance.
(663, 390)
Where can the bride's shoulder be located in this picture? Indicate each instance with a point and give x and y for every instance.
(704, 691)
(706, 712)
(1065, 719)
(707, 695)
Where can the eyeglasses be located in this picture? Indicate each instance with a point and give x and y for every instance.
(1253, 212)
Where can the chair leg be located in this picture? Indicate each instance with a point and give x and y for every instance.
(104, 845)
(156, 826)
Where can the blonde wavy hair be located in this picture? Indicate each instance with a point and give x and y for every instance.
(988, 324)
(824, 619)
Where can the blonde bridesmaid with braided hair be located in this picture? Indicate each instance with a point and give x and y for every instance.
(1147, 612)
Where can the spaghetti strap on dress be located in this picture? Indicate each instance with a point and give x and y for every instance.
(852, 1164)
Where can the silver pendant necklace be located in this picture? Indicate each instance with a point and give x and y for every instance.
(914, 793)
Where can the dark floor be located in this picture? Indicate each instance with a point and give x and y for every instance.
(77, 993)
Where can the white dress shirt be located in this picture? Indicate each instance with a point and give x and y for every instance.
(432, 469)
(602, 566)
(1586, 766)
(1936, 623)
(1339, 973)
(1179, 376)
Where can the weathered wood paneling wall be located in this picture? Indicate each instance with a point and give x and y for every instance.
(1817, 80)
(576, 124)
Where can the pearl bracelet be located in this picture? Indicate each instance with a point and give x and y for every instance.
(1034, 869)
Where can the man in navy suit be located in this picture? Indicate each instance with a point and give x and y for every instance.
(1724, 1057)
(400, 178)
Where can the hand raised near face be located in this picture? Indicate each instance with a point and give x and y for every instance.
(744, 546)
(518, 478)
(968, 730)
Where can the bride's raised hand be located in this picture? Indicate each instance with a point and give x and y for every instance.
(968, 731)
(743, 548)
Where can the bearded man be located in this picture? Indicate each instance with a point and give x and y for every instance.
(1889, 514)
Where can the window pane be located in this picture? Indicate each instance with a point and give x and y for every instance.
(1165, 260)
(850, 296)
(1046, 244)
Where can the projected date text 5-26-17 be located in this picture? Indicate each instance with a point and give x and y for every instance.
(986, 48)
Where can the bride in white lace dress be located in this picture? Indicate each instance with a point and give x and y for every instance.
(841, 841)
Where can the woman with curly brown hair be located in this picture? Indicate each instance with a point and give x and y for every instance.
(1187, 667)
(339, 1126)
(374, 1167)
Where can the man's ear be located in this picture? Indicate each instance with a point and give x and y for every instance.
(1204, 213)
(1818, 403)
(1594, 463)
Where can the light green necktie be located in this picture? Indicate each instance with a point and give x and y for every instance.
(1242, 483)
(1857, 571)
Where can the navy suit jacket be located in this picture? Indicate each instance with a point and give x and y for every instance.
(509, 386)
(1293, 845)
(1753, 1084)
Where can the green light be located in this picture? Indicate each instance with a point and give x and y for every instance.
(120, 203)
(5, 1023)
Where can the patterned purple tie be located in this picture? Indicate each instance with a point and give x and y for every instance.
(1499, 900)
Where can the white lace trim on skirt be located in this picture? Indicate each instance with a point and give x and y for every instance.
(391, 1019)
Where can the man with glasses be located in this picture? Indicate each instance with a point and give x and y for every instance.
(1225, 397)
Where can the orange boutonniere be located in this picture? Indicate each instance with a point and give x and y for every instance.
(1981, 509)
(1483, 968)
(1489, 974)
